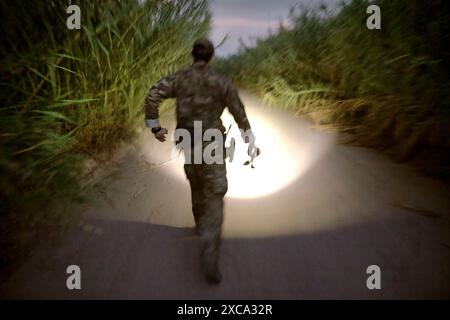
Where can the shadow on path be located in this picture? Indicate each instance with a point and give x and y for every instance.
(135, 260)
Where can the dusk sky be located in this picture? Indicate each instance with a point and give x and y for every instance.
(250, 18)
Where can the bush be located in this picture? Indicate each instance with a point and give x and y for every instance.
(387, 88)
(72, 95)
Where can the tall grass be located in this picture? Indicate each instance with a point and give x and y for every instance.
(72, 95)
(384, 88)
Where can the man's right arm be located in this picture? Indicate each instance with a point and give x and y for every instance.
(237, 109)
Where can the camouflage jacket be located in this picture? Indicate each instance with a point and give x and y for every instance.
(201, 95)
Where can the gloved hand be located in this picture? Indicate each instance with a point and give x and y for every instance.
(160, 133)
(253, 151)
(249, 138)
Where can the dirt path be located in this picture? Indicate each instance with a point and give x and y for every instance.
(305, 223)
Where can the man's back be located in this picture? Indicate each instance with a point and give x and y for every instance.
(201, 94)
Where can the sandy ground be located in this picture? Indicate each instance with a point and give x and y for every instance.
(305, 223)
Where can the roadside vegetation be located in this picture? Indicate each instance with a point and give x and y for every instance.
(70, 96)
(385, 88)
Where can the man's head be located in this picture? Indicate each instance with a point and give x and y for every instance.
(203, 50)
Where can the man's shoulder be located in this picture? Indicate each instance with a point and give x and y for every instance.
(211, 74)
(179, 73)
(220, 78)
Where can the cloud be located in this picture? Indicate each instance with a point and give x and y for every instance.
(248, 19)
(242, 22)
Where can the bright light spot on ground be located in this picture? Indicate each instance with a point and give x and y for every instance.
(273, 169)
(281, 196)
(288, 149)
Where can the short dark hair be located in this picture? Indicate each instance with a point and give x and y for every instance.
(203, 50)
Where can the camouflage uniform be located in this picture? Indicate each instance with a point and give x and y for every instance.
(201, 95)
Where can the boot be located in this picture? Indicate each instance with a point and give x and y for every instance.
(210, 265)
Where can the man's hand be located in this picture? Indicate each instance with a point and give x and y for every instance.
(253, 151)
(160, 133)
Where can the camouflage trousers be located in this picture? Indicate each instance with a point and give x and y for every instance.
(208, 187)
